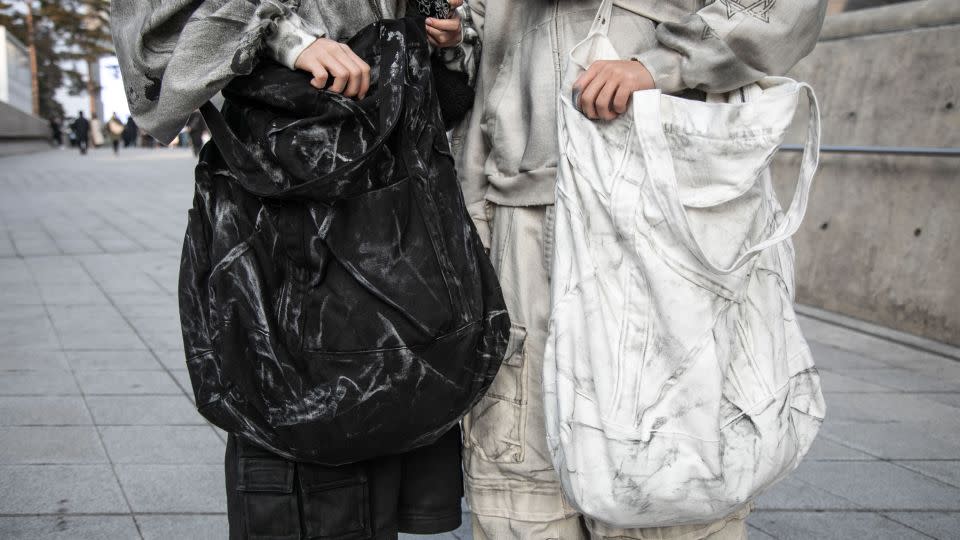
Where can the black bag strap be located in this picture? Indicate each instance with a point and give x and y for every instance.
(250, 173)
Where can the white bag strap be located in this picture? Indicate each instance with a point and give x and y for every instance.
(793, 216)
(601, 23)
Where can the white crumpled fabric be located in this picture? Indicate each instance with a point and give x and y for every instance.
(677, 383)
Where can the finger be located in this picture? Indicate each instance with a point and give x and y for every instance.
(442, 39)
(587, 80)
(584, 79)
(454, 4)
(439, 37)
(339, 73)
(605, 101)
(622, 100)
(320, 76)
(450, 25)
(354, 75)
(588, 99)
(364, 70)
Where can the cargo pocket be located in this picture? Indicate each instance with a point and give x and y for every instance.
(270, 510)
(495, 427)
(336, 502)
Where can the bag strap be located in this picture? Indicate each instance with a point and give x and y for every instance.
(251, 174)
(792, 218)
(601, 23)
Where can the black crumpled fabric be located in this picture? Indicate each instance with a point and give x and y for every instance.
(335, 298)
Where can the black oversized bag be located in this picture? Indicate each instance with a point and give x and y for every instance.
(335, 298)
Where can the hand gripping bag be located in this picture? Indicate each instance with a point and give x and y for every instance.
(677, 383)
(336, 301)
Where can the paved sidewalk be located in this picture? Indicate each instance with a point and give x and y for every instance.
(99, 438)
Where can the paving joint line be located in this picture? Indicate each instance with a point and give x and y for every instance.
(103, 445)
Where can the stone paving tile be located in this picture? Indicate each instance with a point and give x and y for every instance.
(754, 533)
(60, 489)
(793, 494)
(942, 525)
(70, 294)
(93, 327)
(828, 357)
(945, 471)
(160, 333)
(911, 408)
(17, 358)
(174, 488)
(28, 329)
(57, 271)
(905, 379)
(879, 485)
(112, 360)
(33, 242)
(102, 382)
(151, 306)
(42, 411)
(947, 398)
(824, 449)
(50, 444)
(163, 444)
(183, 379)
(893, 440)
(32, 382)
(173, 359)
(23, 294)
(831, 526)
(834, 381)
(143, 410)
(14, 270)
(66, 527)
(182, 527)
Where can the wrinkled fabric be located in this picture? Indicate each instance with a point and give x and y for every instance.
(177, 54)
(507, 150)
(678, 385)
(335, 299)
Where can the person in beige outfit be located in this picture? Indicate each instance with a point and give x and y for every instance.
(507, 155)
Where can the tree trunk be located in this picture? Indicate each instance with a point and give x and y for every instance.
(34, 75)
(93, 88)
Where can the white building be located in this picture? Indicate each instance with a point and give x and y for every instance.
(15, 88)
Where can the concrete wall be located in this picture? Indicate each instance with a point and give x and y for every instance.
(21, 132)
(881, 241)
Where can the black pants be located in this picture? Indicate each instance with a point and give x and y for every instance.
(271, 498)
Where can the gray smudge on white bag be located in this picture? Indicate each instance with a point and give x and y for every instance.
(677, 383)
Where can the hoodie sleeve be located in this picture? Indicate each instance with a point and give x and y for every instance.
(468, 144)
(731, 43)
(176, 54)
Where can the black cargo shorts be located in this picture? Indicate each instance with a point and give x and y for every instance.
(271, 498)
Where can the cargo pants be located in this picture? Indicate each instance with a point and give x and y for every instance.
(511, 485)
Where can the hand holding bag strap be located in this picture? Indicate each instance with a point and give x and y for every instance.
(247, 168)
(677, 214)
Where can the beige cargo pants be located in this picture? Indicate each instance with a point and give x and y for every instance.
(511, 485)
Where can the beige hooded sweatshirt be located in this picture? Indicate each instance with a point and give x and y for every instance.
(507, 149)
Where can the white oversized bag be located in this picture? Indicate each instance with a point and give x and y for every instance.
(677, 383)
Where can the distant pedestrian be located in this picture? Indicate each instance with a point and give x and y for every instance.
(81, 130)
(114, 131)
(56, 133)
(197, 128)
(130, 133)
(96, 131)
